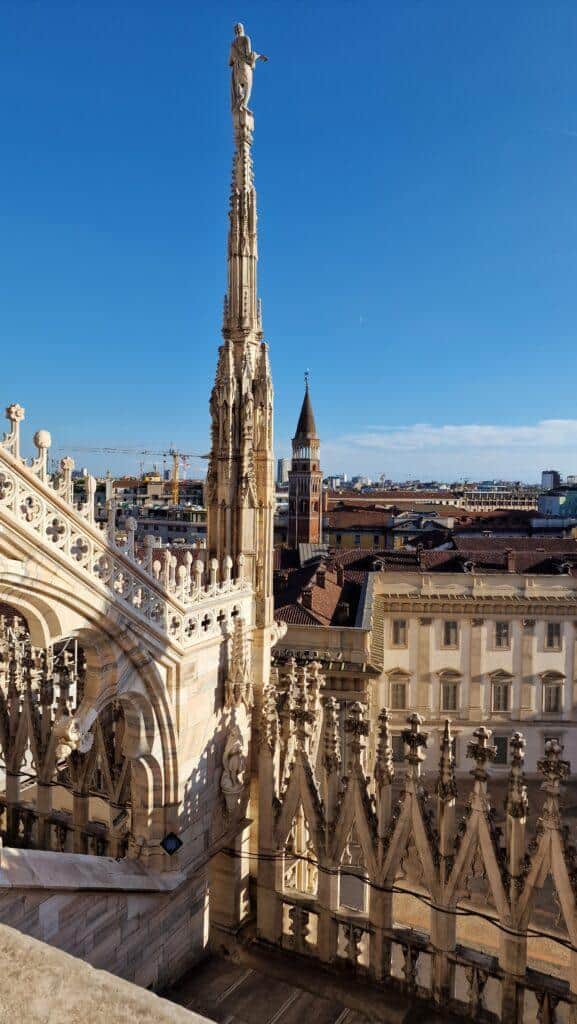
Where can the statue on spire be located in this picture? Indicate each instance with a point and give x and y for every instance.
(242, 60)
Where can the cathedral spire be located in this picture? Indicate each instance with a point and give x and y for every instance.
(242, 307)
(240, 477)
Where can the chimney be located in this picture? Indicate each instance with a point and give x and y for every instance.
(511, 560)
(321, 576)
(342, 613)
(340, 576)
(307, 597)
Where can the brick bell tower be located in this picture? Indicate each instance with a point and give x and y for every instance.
(305, 480)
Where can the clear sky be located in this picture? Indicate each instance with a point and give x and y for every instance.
(416, 166)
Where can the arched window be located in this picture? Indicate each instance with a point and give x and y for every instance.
(501, 692)
(552, 693)
(449, 682)
(398, 690)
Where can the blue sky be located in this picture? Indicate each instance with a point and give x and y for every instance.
(416, 166)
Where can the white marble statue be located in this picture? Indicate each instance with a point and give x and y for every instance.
(242, 60)
(233, 769)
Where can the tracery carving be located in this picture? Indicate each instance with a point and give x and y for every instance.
(404, 843)
(45, 736)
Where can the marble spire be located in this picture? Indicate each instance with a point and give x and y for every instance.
(240, 478)
(242, 308)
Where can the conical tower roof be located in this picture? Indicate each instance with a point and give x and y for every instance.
(306, 427)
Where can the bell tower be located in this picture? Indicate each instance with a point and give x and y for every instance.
(305, 480)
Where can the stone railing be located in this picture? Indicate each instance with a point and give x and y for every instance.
(384, 879)
(180, 600)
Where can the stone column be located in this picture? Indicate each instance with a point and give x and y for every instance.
(80, 816)
(381, 903)
(444, 923)
(569, 698)
(381, 918)
(476, 713)
(44, 810)
(269, 865)
(116, 833)
(513, 956)
(423, 695)
(512, 960)
(328, 902)
(12, 802)
(229, 884)
(527, 707)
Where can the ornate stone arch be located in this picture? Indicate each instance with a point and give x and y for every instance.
(118, 668)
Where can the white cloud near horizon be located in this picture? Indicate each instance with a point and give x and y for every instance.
(451, 451)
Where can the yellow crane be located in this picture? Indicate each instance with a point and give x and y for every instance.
(172, 453)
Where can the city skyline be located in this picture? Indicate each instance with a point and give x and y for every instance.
(410, 270)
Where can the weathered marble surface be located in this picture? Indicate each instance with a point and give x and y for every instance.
(42, 985)
(30, 869)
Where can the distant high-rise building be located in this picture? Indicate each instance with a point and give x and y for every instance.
(282, 471)
(305, 481)
(550, 478)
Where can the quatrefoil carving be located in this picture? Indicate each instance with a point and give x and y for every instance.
(6, 487)
(79, 549)
(30, 509)
(103, 568)
(56, 530)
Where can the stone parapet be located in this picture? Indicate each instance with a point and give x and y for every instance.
(180, 602)
(65, 988)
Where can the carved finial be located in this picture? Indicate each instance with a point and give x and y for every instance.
(239, 680)
(198, 570)
(384, 770)
(357, 729)
(446, 784)
(227, 568)
(314, 680)
(303, 717)
(269, 727)
(15, 413)
(307, 379)
(331, 747)
(554, 770)
(480, 751)
(517, 803)
(415, 744)
(42, 440)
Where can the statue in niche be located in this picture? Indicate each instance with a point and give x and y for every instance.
(248, 414)
(233, 769)
(242, 60)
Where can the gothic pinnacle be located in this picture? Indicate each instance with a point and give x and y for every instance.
(242, 316)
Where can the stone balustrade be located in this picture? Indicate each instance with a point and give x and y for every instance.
(349, 853)
(185, 600)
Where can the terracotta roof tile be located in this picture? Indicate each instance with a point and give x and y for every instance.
(533, 544)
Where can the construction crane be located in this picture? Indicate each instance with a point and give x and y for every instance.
(172, 453)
